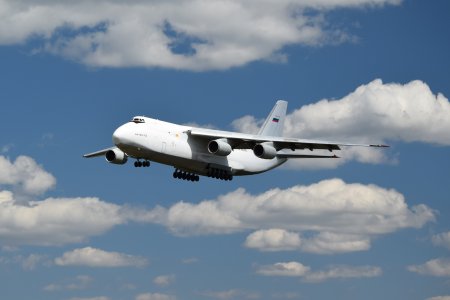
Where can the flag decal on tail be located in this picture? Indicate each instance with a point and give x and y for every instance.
(275, 120)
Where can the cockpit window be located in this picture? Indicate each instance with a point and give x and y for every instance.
(138, 120)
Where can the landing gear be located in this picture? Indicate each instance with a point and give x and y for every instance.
(185, 176)
(144, 163)
(220, 174)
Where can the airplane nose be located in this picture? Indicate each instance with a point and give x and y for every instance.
(119, 135)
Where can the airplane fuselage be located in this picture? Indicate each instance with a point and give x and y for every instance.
(219, 154)
(170, 144)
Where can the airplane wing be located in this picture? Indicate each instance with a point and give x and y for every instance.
(98, 153)
(248, 141)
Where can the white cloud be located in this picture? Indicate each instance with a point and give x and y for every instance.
(322, 243)
(435, 267)
(329, 243)
(296, 269)
(92, 257)
(442, 239)
(344, 216)
(273, 240)
(25, 173)
(155, 296)
(342, 272)
(192, 35)
(439, 298)
(291, 269)
(164, 280)
(56, 221)
(373, 113)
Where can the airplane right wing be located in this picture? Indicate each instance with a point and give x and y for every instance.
(266, 147)
(248, 141)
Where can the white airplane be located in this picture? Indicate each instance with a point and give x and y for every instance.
(213, 153)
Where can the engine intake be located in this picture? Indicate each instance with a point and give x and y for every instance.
(116, 156)
(219, 147)
(264, 151)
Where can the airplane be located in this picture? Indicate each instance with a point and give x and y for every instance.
(194, 151)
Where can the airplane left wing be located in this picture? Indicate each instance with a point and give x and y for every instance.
(248, 141)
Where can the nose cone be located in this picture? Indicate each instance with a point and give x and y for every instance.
(120, 135)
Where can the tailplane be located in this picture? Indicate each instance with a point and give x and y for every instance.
(273, 125)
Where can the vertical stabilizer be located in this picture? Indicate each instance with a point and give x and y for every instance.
(273, 125)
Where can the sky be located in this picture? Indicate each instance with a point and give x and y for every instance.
(373, 224)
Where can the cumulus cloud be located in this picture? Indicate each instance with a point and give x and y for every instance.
(291, 269)
(92, 257)
(25, 173)
(164, 280)
(435, 267)
(373, 113)
(329, 243)
(338, 217)
(442, 239)
(273, 240)
(321, 243)
(296, 269)
(56, 221)
(155, 296)
(192, 35)
(439, 298)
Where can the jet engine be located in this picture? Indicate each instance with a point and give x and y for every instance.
(265, 151)
(116, 156)
(219, 147)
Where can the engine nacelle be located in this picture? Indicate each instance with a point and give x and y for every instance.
(264, 151)
(219, 147)
(116, 156)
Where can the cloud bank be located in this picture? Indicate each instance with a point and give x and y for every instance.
(333, 216)
(189, 35)
(373, 113)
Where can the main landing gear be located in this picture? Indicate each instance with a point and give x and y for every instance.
(144, 163)
(219, 174)
(185, 176)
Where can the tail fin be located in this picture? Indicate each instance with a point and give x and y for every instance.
(273, 125)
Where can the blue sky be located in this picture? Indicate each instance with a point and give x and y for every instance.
(359, 71)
